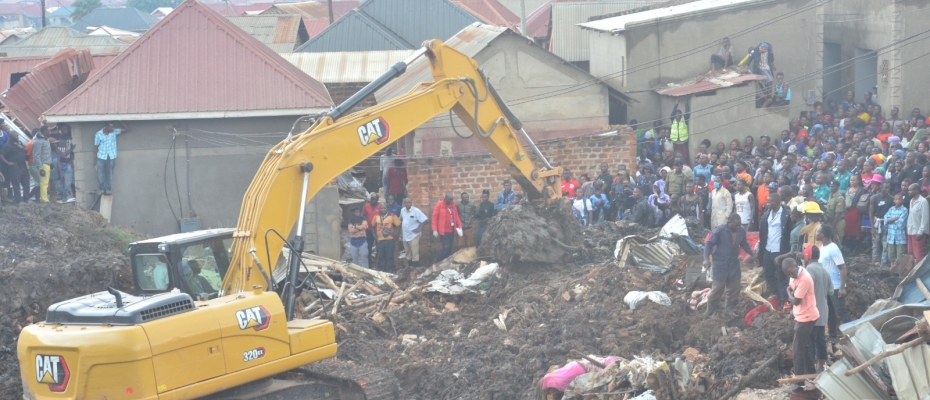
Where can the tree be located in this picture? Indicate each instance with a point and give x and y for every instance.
(147, 6)
(80, 8)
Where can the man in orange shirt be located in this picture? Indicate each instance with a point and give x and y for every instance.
(804, 301)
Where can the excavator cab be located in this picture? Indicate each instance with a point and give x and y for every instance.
(192, 263)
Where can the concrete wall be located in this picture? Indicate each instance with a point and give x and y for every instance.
(430, 178)
(795, 39)
(873, 25)
(518, 69)
(728, 122)
(222, 165)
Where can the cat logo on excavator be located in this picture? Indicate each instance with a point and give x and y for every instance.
(52, 370)
(257, 318)
(376, 131)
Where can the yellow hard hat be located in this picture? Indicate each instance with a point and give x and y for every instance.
(810, 207)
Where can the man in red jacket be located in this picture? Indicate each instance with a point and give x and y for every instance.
(446, 224)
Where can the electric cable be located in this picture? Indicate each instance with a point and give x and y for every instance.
(165, 176)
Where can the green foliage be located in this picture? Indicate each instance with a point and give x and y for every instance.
(80, 8)
(121, 239)
(147, 6)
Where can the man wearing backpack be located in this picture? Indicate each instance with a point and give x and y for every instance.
(384, 225)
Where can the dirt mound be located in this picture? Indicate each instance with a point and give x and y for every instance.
(532, 233)
(50, 253)
(443, 347)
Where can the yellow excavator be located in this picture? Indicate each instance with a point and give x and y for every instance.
(236, 337)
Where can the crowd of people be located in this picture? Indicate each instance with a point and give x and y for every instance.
(41, 168)
(373, 228)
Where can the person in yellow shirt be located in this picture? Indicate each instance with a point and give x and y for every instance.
(385, 224)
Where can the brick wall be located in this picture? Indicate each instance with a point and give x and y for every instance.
(430, 178)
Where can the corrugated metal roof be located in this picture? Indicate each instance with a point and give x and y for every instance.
(355, 31)
(620, 23)
(193, 62)
(708, 84)
(468, 41)
(347, 67)
(391, 25)
(491, 11)
(110, 31)
(307, 9)
(282, 33)
(126, 18)
(48, 83)
(570, 41)
(13, 65)
(314, 27)
(50, 40)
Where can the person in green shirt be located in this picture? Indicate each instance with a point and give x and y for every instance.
(842, 176)
(822, 191)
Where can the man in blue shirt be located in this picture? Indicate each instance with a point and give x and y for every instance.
(505, 198)
(105, 141)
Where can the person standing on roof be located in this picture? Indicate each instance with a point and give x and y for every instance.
(105, 163)
(679, 132)
(446, 223)
(723, 57)
(724, 244)
(505, 198)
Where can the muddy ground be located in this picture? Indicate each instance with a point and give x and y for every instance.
(51, 253)
(574, 305)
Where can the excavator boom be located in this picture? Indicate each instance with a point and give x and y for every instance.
(240, 338)
(337, 142)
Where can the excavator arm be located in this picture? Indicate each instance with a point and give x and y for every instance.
(298, 167)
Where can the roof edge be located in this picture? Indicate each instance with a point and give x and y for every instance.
(183, 115)
(635, 24)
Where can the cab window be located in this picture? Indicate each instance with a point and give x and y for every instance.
(152, 271)
(202, 267)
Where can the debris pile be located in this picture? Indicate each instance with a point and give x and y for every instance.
(51, 253)
(532, 233)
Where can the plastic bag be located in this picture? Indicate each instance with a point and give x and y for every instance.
(634, 297)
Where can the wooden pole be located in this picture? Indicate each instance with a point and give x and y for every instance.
(886, 354)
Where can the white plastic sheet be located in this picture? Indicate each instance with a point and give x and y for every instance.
(633, 298)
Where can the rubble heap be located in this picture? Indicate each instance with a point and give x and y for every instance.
(51, 253)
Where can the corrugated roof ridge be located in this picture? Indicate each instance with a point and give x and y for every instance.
(295, 74)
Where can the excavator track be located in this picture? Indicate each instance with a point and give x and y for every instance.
(325, 380)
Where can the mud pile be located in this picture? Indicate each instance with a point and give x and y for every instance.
(532, 233)
(442, 346)
(50, 253)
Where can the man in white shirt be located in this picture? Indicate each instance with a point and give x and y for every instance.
(775, 239)
(918, 223)
(160, 273)
(412, 219)
(832, 260)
